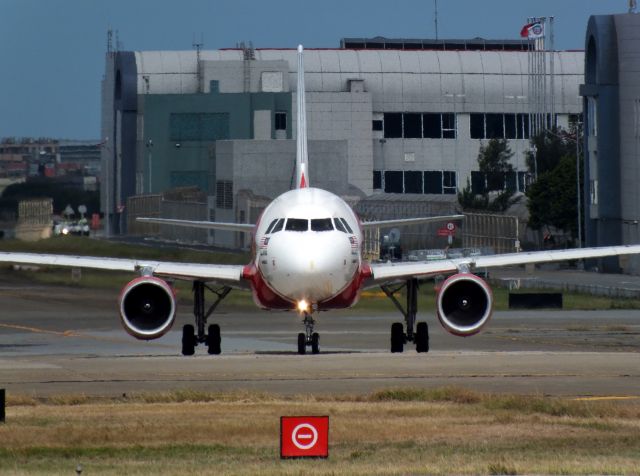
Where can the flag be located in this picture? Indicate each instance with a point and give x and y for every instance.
(533, 30)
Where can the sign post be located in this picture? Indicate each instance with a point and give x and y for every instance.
(304, 437)
(449, 230)
(2, 405)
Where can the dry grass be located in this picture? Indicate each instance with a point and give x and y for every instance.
(403, 431)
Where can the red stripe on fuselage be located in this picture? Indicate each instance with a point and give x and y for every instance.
(263, 295)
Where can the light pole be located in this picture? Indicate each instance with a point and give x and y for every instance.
(149, 146)
(579, 199)
(107, 166)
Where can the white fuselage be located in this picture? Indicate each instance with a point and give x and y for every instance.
(308, 245)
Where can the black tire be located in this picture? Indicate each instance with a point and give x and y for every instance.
(213, 340)
(302, 344)
(397, 338)
(422, 337)
(188, 340)
(315, 343)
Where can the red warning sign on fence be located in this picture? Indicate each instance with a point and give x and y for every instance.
(304, 437)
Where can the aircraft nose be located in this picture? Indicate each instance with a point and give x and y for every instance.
(310, 268)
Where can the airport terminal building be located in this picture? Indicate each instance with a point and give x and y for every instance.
(389, 121)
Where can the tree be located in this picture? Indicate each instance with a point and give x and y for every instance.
(547, 148)
(552, 198)
(494, 162)
(41, 187)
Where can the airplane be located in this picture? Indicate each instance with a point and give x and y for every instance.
(307, 256)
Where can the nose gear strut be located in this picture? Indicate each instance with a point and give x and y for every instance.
(308, 338)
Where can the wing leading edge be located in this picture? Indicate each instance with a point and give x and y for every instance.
(208, 272)
(391, 271)
(208, 225)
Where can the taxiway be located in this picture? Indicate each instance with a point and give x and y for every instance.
(63, 340)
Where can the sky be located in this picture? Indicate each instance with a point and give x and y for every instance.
(52, 52)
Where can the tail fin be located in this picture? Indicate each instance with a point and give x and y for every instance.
(302, 176)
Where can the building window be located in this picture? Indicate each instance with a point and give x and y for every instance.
(476, 127)
(432, 126)
(501, 126)
(449, 182)
(412, 125)
(412, 182)
(435, 182)
(224, 194)
(594, 192)
(449, 126)
(522, 126)
(377, 180)
(393, 181)
(392, 125)
(376, 125)
(281, 121)
(592, 116)
(494, 126)
(510, 126)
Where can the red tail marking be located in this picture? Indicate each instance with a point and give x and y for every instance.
(303, 182)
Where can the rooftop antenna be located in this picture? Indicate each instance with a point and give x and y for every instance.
(118, 42)
(198, 47)
(435, 16)
(109, 41)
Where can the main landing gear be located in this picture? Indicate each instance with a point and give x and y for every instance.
(398, 336)
(212, 338)
(308, 338)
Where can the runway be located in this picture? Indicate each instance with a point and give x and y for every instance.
(62, 340)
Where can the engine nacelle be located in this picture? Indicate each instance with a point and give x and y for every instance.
(464, 304)
(147, 307)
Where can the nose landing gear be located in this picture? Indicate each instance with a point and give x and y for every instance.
(308, 338)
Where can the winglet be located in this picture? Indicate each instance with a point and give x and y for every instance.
(302, 176)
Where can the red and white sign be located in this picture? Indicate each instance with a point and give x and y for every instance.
(304, 437)
(448, 230)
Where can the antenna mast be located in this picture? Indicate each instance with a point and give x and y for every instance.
(198, 47)
(435, 16)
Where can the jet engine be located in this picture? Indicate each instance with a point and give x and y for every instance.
(464, 304)
(147, 307)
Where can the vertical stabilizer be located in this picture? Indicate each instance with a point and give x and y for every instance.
(302, 176)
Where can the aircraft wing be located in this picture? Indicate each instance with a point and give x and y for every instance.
(209, 225)
(409, 221)
(402, 270)
(201, 271)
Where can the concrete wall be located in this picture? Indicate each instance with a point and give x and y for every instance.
(612, 138)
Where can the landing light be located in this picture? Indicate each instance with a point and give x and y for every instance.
(303, 306)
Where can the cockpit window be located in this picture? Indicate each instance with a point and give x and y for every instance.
(346, 225)
(321, 224)
(297, 224)
(278, 226)
(339, 225)
(271, 225)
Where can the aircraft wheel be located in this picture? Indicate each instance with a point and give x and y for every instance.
(397, 337)
(315, 343)
(213, 340)
(422, 337)
(188, 340)
(302, 343)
